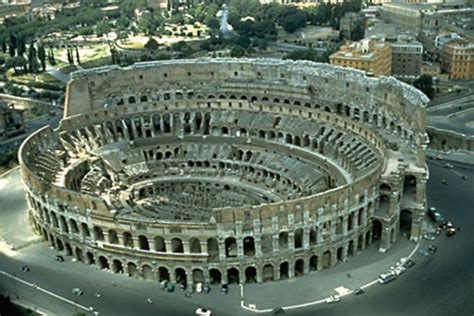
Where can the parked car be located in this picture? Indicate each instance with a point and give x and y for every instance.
(25, 268)
(77, 291)
(432, 248)
(163, 284)
(429, 236)
(203, 312)
(436, 216)
(278, 311)
(448, 166)
(332, 299)
(59, 258)
(450, 232)
(409, 263)
(170, 287)
(386, 277)
(399, 270)
(224, 288)
(358, 291)
(198, 287)
(424, 252)
(206, 288)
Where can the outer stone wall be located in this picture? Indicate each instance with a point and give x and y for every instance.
(104, 187)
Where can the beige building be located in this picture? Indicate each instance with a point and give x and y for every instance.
(430, 69)
(418, 16)
(407, 57)
(458, 59)
(372, 56)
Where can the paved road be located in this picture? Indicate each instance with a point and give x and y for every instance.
(59, 75)
(439, 285)
(442, 285)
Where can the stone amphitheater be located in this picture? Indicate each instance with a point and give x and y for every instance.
(228, 170)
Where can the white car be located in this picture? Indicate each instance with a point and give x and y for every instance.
(203, 312)
(332, 299)
(198, 287)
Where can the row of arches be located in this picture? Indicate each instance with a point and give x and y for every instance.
(265, 272)
(380, 119)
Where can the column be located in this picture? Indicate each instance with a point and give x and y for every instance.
(306, 238)
(186, 246)
(258, 245)
(275, 243)
(168, 246)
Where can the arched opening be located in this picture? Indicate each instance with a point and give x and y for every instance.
(313, 263)
(230, 247)
(283, 240)
(249, 246)
(143, 243)
(177, 245)
(131, 100)
(98, 234)
(160, 244)
(360, 242)
(132, 269)
(405, 223)
(384, 204)
(163, 274)
(284, 271)
(326, 259)
(117, 266)
(198, 276)
(233, 276)
(299, 267)
(103, 262)
(350, 249)
(127, 239)
(312, 237)
(215, 276)
(147, 272)
(268, 273)
(376, 229)
(250, 275)
(267, 243)
(180, 275)
(299, 238)
(85, 230)
(68, 249)
(194, 245)
(90, 258)
(409, 186)
(74, 228)
(59, 244)
(113, 238)
(79, 255)
(213, 248)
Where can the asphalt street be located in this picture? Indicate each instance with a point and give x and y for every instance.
(442, 284)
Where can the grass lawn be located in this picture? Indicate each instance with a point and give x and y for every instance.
(67, 68)
(98, 62)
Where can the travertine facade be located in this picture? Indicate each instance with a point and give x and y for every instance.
(228, 170)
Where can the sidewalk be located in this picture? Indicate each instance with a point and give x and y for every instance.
(364, 268)
(15, 228)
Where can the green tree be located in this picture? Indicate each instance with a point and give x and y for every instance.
(15, 63)
(152, 44)
(32, 58)
(42, 56)
(237, 51)
(425, 84)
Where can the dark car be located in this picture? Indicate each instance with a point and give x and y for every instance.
(59, 258)
(25, 268)
(409, 263)
(170, 287)
(278, 311)
(225, 288)
(358, 291)
(436, 216)
(432, 248)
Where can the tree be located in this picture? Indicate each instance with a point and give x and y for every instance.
(237, 51)
(4, 46)
(358, 31)
(42, 56)
(70, 56)
(152, 44)
(307, 54)
(51, 59)
(20, 46)
(102, 28)
(15, 63)
(425, 84)
(32, 61)
(77, 56)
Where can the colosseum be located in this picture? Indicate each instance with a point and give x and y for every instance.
(228, 170)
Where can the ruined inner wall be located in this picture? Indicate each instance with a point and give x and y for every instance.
(228, 170)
